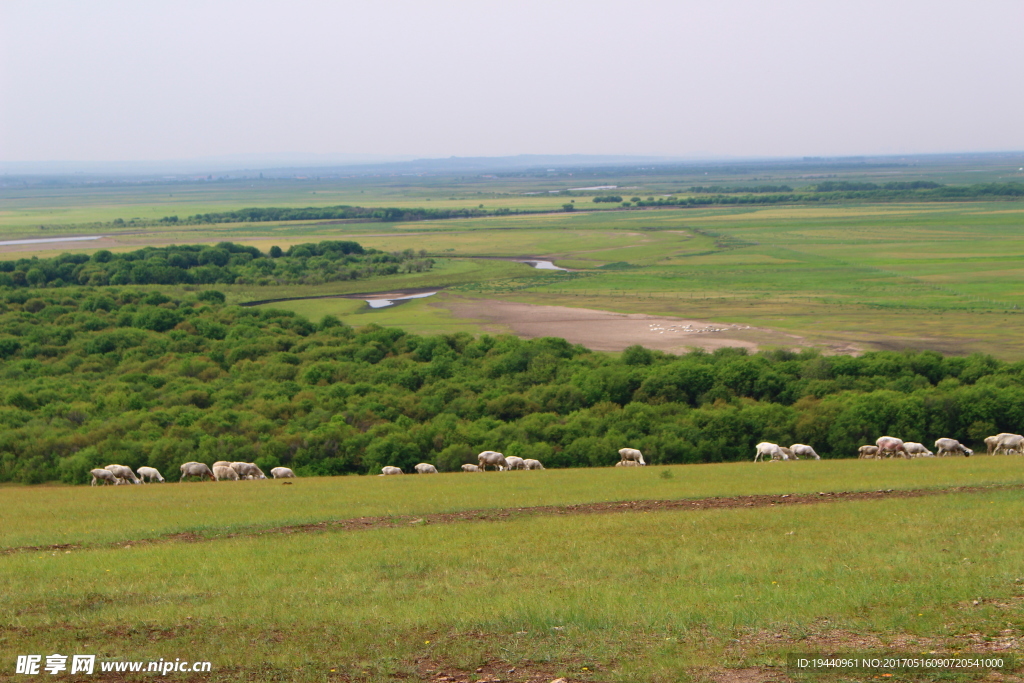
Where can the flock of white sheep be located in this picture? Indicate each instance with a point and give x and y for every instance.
(629, 457)
(890, 446)
(222, 471)
(885, 446)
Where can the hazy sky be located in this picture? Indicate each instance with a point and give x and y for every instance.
(156, 79)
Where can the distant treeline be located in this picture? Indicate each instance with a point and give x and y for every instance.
(91, 376)
(839, 191)
(225, 263)
(314, 213)
(844, 186)
(750, 189)
(336, 213)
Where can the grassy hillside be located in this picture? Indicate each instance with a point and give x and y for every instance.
(660, 596)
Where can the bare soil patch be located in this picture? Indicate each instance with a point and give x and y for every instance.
(506, 514)
(609, 331)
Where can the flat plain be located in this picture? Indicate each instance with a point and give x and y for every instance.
(845, 277)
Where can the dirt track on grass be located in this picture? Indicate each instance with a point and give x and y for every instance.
(508, 514)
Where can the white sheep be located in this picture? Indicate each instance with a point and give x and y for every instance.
(491, 459)
(515, 463)
(627, 463)
(195, 469)
(106, 476)
(890, 446)
(221, 473)
(389, 470)
(425, 468)
(627, 454)
(221, 463)
(123, 473)
(532, 464)
(768, 449)
(471, 468)
(248, 470)
(804, 450)
(150, 473)
(282, 473)
(917, 450)
(867, 452)
(946, 446)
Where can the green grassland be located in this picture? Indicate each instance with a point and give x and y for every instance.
(225, 507)
(657, 596)
(906, 276)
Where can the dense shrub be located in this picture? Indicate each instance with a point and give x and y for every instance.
(101, 376)
(225, 263)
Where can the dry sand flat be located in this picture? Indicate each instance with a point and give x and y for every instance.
(609, 331)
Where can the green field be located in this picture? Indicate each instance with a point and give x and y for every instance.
(192, 508)
(944, 277)
(656, 596)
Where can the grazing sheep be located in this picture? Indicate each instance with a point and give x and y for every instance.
(390, 470)
(627, 463)
(946, 446)
(1010, 443)
(890, 445)
(804, 450)
(221, 463)
(471, 468)
(248, 470)
(917, 450)
(992, 442)
(106, 476)
(768, 449)
(123, 473)
(491, 459)
(532, 464)
(221, 473)
(627, 454)
(282, 473)
(867, 452)
(195, 469)
(425, 468)
(150, 473)
(515, 463)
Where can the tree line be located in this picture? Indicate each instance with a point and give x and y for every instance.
(841, 191)
(743, 189)
(92, 376)
(224, 263)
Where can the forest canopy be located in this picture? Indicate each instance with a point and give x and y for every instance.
(224, 263)
(92, 376)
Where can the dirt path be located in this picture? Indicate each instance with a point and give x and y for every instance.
(507, 514)
(609, 331)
